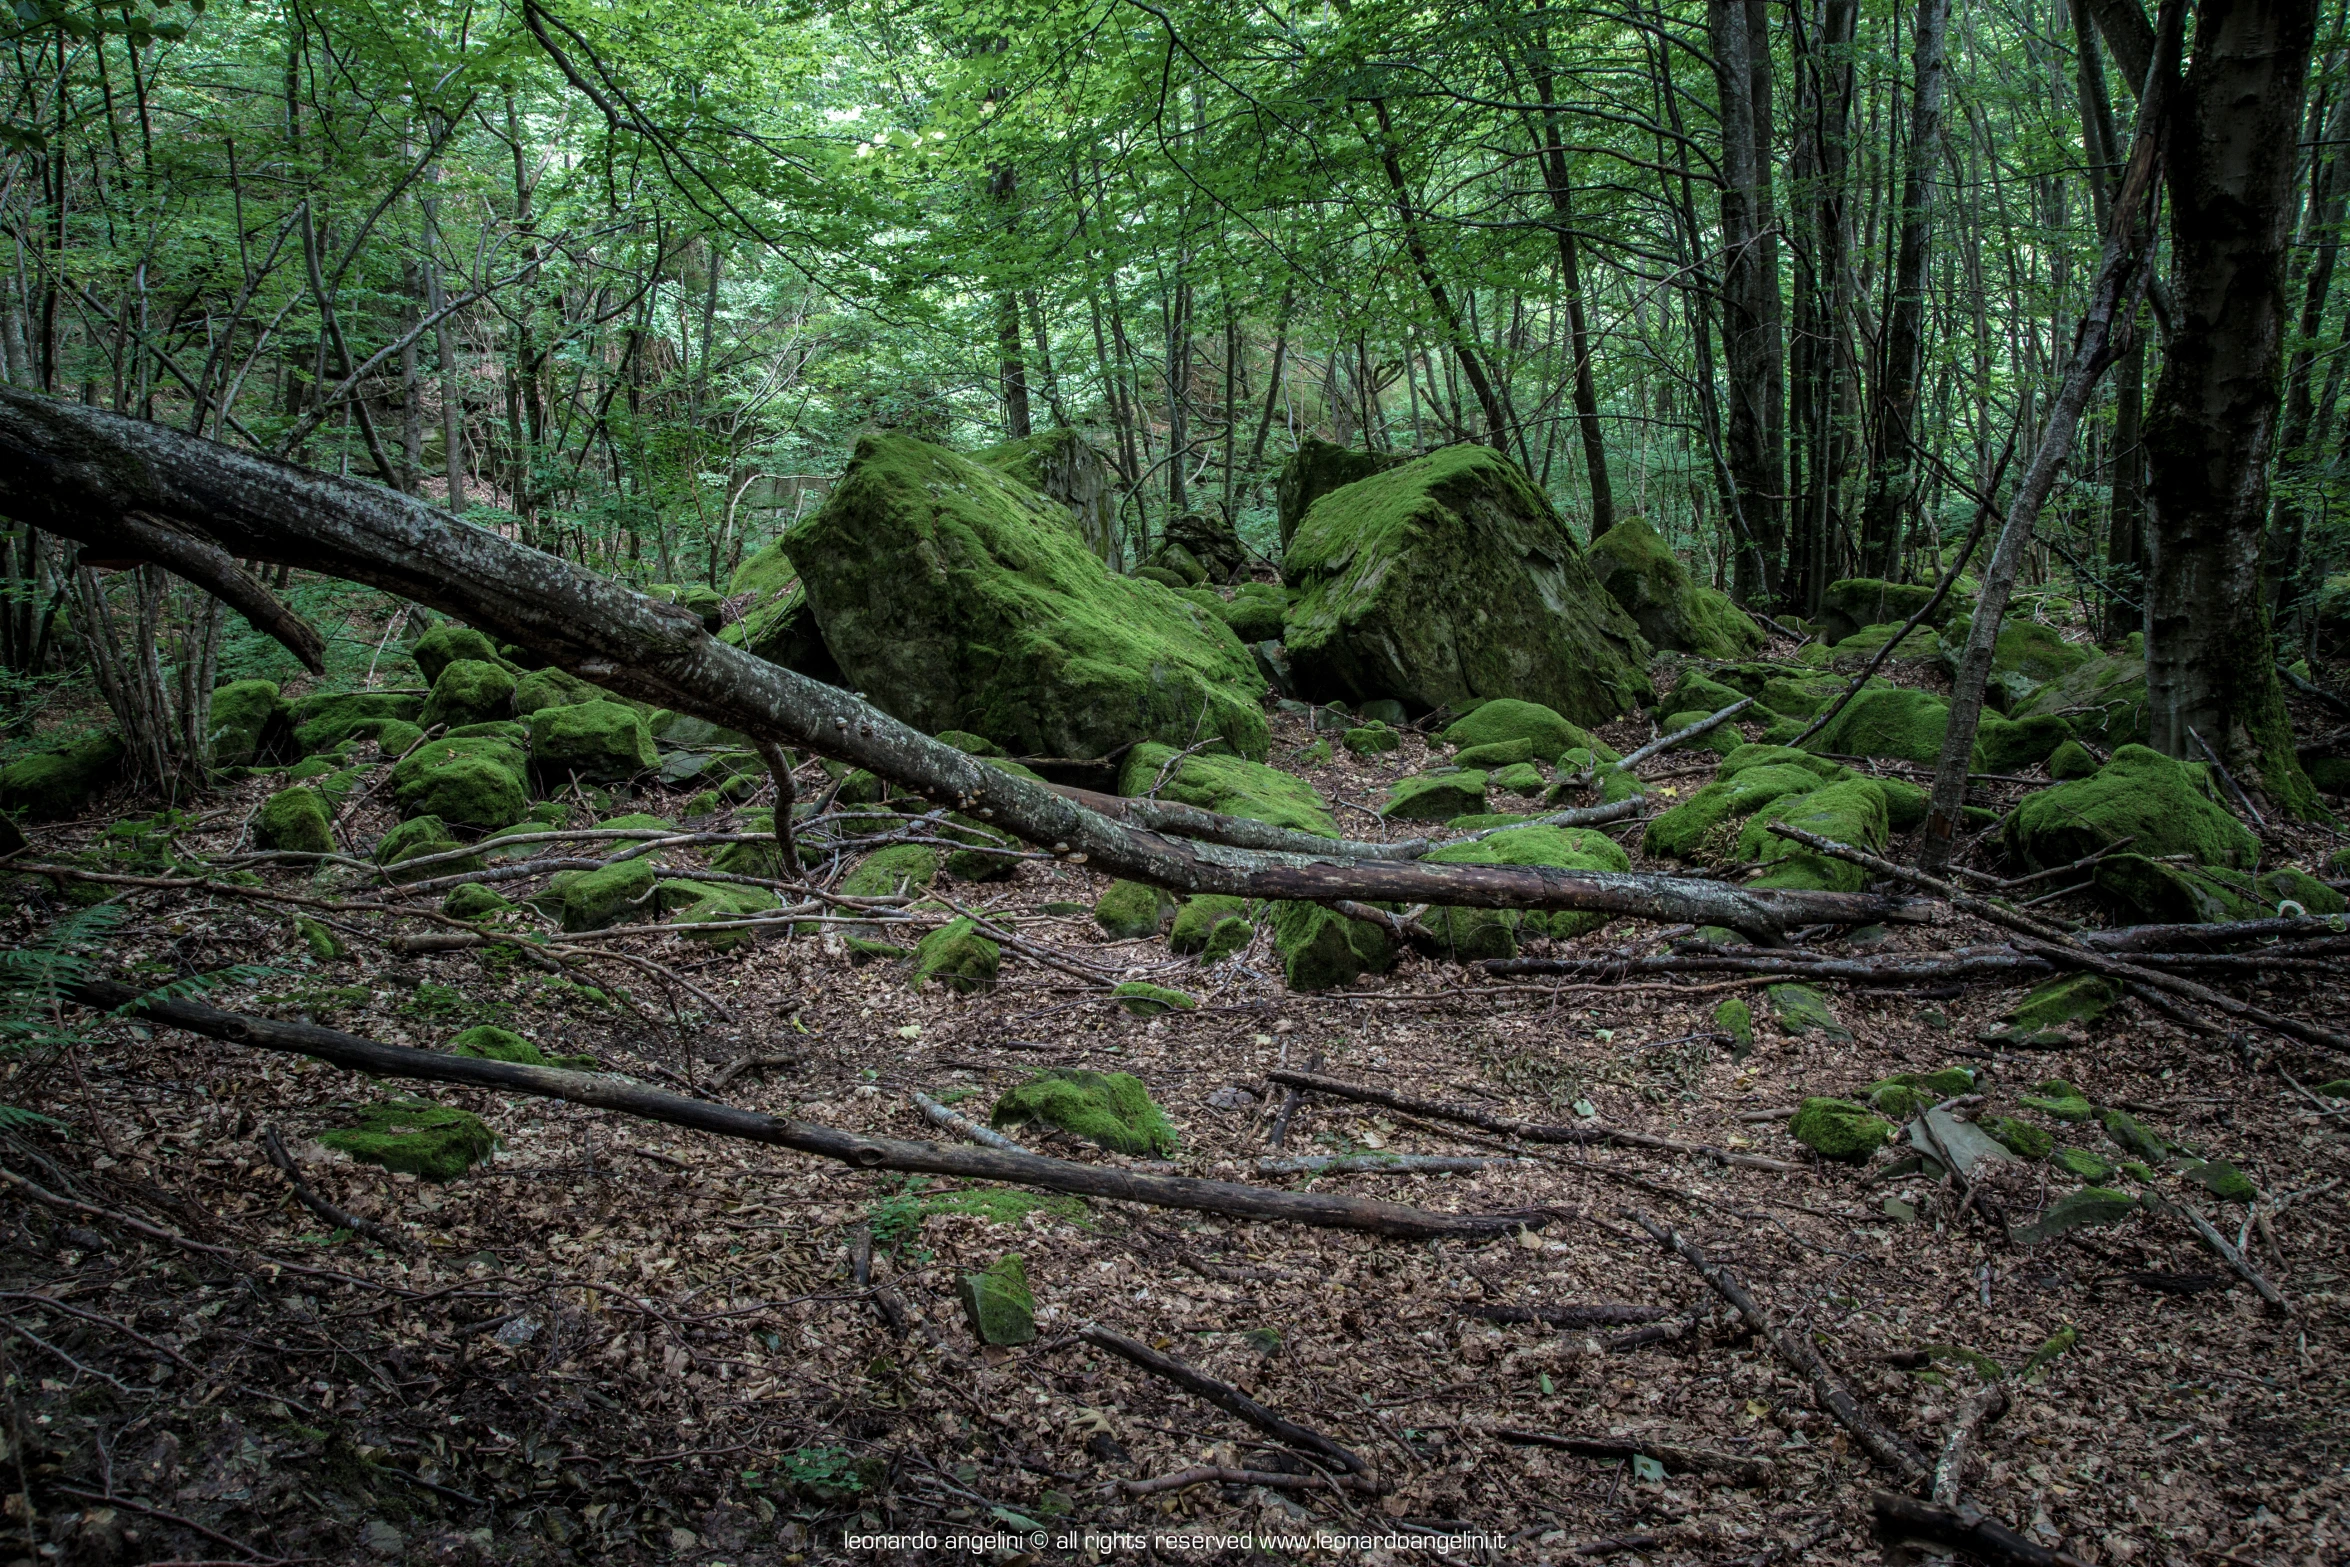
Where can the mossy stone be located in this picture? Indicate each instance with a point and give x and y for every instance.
(1671, 608)
(1736, 1019)
(1133, 908)
(2082, 1165)
(472, 901)
(2223, 1180)
(1315, 469)
(1198, 918)
(2060, 1100)
(1519, 778)
(1256, 610)
(887, 872)
(2026, 657)
(1140, 998)
(957, 956)
(1369, 740)
(690, 903)
(1317, 754)
(429, 1141)
(488, 1042)
(1888, 721)
(1855, 651)
(243, 714)
(2104, 699)
(469, 692)
(1799, 1009)
(1451, 577)
(1494, 933)
(56, 784)
(997, 1302)
(1505, 719)
(1174, 581)
(2071, 760)
(1435, 797)
(449, 643)
(1227, 936)
(2131, 1137)
(467, 780)
(968, 743)
(295, 819)
(1749, 755)
(1321, 950)
(2092, 1207)
(416, 838)
(1227, 785)
(615, 895)
(2076, 998)
(1698, 824)
(2005, 745)
(1853, 602)
(1839, 1129)
(958, 598)
(1722, 739)
(2158, 892)
(1907, 1093)
(2020, 1138)
(1496, 754)
(323, 720)
(1110, 1109)
(604, 742)
(2161, 805)
(396, 737)
(1852, 812)
(1696, 691)
(976, 863)
(554, 688)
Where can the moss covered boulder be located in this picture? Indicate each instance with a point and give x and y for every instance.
(429, 1141)
(2163, 807)
(1889, 721)
(1141, 998)
(551, 688)
(1321, 950)
(1109, 1109)
(245, 716)
(1507, 719)
(1857, 650)
(323, 720)
(2059, 1100)
(2161, 892)
(1700, 828)
(1799, 1009)
(1855, 602)
(1063, 466)
(1496, 933)
(473, 901)
(1315, 469)
(2071, 760)
(776, 623)
(603, 742)
(448, 643)
(1840, 1129)
(488, 1042)
(56, 784)
(957, 598)
(957, 956)
(1133, 908)
(2026, 657)
(2103, 699)
(1198, 919)
(1852, 812)
(1672, 609)
(466, 780)
(692, 903)
(468, 691)
(1722, 739)
(416, 838)
(1500, 753)
(2010, 745)
(1369, 740)
(997, 1303)
(1906, 1093)
(1227, 785)
(1449, 578)
(887, 872)
(616, 895)
(295, 819)
(1256, 611)
(1435, 797)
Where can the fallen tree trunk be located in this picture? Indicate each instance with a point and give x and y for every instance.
(851, 1148)
(80, 472)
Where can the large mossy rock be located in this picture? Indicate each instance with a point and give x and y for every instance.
(1855, 602)
(2163, 807)
(244, 715)
(1199, 925)
(997, 1303)
(1064, 466)
(1852, 812)
(551, 688)
(1133, 908)
(1908, 725)
(1700, 827)
(448, 642)
(1227, 785)
(1110, 1109)
(957, 598)
(887, 872)
(296, 820)
(691, 903)
(1671, 608)
(2026, 657)
(1452, 578)
(1496, 933)
(1546, 733)
(1321, 950)
(429, 1141)
(1839, 1129)
(957, 956)
(56, 784)
(616, 895)
(468, 691)
(323, 720)
(466, 780)
(2103, 699)
(1315, 469)
(1435, 797)
(603, 742)
(2160, 892)
(775, 622)
(416, 838)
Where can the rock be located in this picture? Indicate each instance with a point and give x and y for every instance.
(997, 1303)
(1969, 1144)
(469, 780)
(1062, 465)
(2077, 998)
(2005, 745)
(1499, 753)
(1906, 1093)
(56, 784)
(2020, 1138)
(1161, 575)
(2160, 805)
(1227, 785)
(446, 644)
(2026, 657)
(417, 837)
(325, 719)
(472, 901)
(395, 738)
(1448, 578)
(295, 819)
(553, 688)
(2092, 1207)
(1381, 710)
(777, 624)
(2060, 1101)
(2144, 890)
(1109, 1109)
(1227, 936)
(1198, 919)
(1434, 797)
(1522, 778)
(1857, 650)
(2131, 1137)
(1480, 933)
(1839, 1129)
(615, 895)
(957, 956)
(429, 1141)
(246, 716)
(488, 1042)
(1855, 602)
(2083, 1165)
(1696, 690)
(1133, 908)
(887, 872)
(1851, 812)
(1722, 739)
(1256, 611)
(1140, 998)
(2071, 760)
(1736, 1019)
(1315, 469)
(1506, 719)
(958, 599)
(1890, 721)
(1211, 543)
(1671, 609)
(603, 742)
(468, 692)
(1698, 829)
(704, 600)
(1371, 740)
(2224, 1181)
(690, 903)
(323, 943)
(1321, 950)
(1799, 1009)
(2103, 699)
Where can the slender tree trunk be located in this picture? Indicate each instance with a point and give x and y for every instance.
(1012, 368)
(1044, 360)
(1562, 212)
(2210, 666)
(2296, 445)
(445, 349)
(1751, 319)
(1819, 355)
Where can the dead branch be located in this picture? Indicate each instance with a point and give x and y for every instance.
(963, 1126)
(1223, 1474)
(886, 1304)
(1905, 1521)
(334, 1216)
(1380, 1164)
(1984, 1406)
(1229, 1399)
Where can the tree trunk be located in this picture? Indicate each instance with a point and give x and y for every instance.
(1819, 351)
(2210, 666)
(1562, 212)
(1751, 320)
(1012, 367)
(2296, 445)
(1892, 473)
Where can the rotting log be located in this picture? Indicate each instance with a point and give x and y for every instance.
(854, 1149)
(80, 472)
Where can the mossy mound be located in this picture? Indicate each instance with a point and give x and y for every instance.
(1256, 610)
(2071, 760)
(691, 903)
(1840, 1129)
(2162, 806)
(295, 819)
(429, 1141)
(1140, 998)
(1696, 828)
(555, 688)
(968, 743)
(1497, 754)
(2060, 1101)
(957, 956)
(1197, 920)
(1479, 933)
(616, 895)
(777, 625)
(1435, 797)
(2224, 1181)
(1694, 690)
(703, 600)
(1133, 908)
(467, 780)
(602, 742)
(1452, 577)
(997, 1303)
(2082, 1165)
(1321, 950)
(1722, 739)
(1369, 740)
(1888, 721)
(886, 872)
(446, 644)
(245, 715)
(1545, 732)
(1315, 469)
(56, 784)
(2009, 745)
(1227, 785)
(2132, 1137)
(958, 598)
(323, 720)
(1749, 755)
(2157, 892)
(2077, 998)
(1854, 602)
(396, 737)
(2026, 657)
(473, 901)
(1799, 1009)
(1672, 609)
(1109, 1109)
(416, 838)
(1907, 1093)
(2103, 698)
(1521, 778)
(2020, 1138)
(488, 1042)
(1858, 649)
(2092, 1207)
(1061, 465)
(469, 691)
(1852, 812)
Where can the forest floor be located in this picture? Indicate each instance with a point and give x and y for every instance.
(617, 1341)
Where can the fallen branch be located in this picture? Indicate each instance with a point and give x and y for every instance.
(886, 1304)
(1223, 1474)
(1323, 1209)
(1984, 1406)
(963, 1126)
(1380, 1164)
(1904, 1521)
(334, 1216)
(1662, 743)
(1229, 1399)
(1752, 1472)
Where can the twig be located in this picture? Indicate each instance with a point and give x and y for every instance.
(1662, 743)
(1295, 1097)
(1379, 1164)
(963, 1126)
(1983, 1407)
(885, 1300)
(1203, 1474)
(1903, 1520)
(333, 1215)
(1227, 1398)
(260, 1558)
(2228, 778)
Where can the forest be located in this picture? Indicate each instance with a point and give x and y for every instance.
(1034, 781)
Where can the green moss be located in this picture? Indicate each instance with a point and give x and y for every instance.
(1696, 828)
(691, 903)
(446, 644)
(1839, 1129)
(1498, 753)
(2224, 1181)
(604, 742)
(323, 943)
(1315, 469)
(432, 1142)
(551, 688)
(615, 895)
(968, 743)
(56, 784)
(2154, 891)
(2060, 1101)
(1452, 577)
(1506, 719)
(1694, 690)
(2131, 1137)
(243, 713)
(958, 598)
(1255, 611)
(1143, 999)
(473, 901)
(1852, 812)
(2092, 1207)
(976, 863)
(2103, 699)
(1722, 739)
(1112, 1110)
(2160, 805)
(1434, 797)
(1854, 602)
(1133, 908)
(469, 692)
(488, 1042)
(1321, 950)
(1799, 1009)
(1672, 609)
(1856, 650)
(2020, 1138)
(1198, 919)
(2071, 760)
(957, 956)
(997, 1303)
(2083, 1165)
(323, 720)
(1495, 932)
(2077, 998)
(1743, 757)
(2026, 657)
(469, 780)
(1369, 740)
(1318, 754)
(886, 872)
(1227, 785)
(295, 819)
(1736, 1019)
(1227, 936)
(1521, 778)
(1907, 1093)
(414, 839)
(1888, 721)
(2011, 745)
